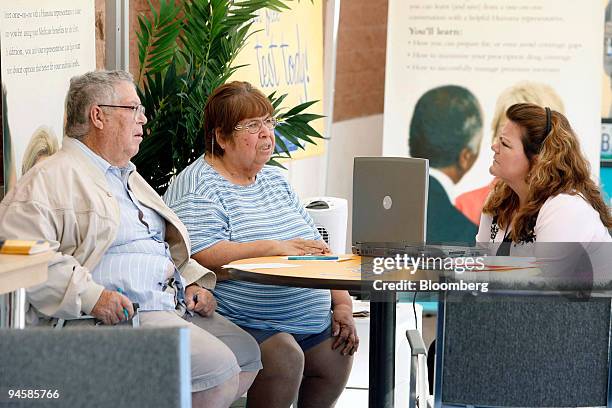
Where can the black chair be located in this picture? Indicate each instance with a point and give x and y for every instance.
(95, 367)
(509, 350)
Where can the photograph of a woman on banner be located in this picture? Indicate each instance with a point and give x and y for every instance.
(43, 144)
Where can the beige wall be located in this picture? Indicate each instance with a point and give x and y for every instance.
(360, 63)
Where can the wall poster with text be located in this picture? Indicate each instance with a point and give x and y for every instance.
(43, 44)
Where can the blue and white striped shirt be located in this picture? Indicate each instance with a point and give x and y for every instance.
(138, 261)
(214, 209)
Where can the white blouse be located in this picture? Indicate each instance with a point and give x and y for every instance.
(572, 223)
(562, 218)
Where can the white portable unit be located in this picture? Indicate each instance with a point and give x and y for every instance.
(330, 215)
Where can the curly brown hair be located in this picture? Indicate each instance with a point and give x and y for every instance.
(557, 166)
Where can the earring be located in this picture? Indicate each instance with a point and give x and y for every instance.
(212, 149)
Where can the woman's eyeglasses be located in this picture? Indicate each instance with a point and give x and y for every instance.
(254, 126)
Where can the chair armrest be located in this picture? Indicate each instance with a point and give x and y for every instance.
(419, 386)
(417, 345)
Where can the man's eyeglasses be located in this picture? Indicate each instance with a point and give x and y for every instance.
(137, 109)
(254, 126)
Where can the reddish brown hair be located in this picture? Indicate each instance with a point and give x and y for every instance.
(229, 104)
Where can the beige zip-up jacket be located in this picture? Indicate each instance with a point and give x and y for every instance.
(66, 200)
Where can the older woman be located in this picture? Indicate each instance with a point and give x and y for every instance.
(236, 207)
(545, 193)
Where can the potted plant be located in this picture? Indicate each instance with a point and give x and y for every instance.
(186, 49)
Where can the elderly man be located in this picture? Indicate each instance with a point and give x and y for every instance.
(118, 243)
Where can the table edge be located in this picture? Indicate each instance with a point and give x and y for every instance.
(294, 281)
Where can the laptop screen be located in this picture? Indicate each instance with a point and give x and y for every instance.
(390, 199)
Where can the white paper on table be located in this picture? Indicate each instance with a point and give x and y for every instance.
(261, 266)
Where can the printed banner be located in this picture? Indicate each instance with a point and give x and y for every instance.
(488, 49)
(43, 44)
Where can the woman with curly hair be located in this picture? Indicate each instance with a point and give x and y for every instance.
(545, 194)
(471, 203)
(545, 191)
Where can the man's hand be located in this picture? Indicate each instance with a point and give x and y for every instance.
(343, 327)
(298, 246)
(109, 307)
(200, 300)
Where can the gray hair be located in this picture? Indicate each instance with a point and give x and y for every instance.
(474, 143)
(86, 90)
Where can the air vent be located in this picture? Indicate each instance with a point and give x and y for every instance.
(323, 233)
(329, 215)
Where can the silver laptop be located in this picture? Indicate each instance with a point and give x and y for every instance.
(390, 209)
(390, 199)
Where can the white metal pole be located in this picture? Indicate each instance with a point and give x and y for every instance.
(332, 21)
(117, 35)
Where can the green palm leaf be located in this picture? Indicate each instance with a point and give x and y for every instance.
(157, 38)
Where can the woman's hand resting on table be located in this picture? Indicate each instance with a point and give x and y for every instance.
(343, 328)
(298, 246)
